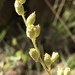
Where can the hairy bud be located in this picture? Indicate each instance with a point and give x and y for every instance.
(60, 71)
(19, 8)
(47, 60)
(33, 31)
(55, 55)
(21, 1)
(67, 71)
(31, 18)
(34, 54)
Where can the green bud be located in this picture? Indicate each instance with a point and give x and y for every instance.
(37, 30)
(47, 60)
(67, 71)
(30, 31)
(55, 55)
(60, 71)
(19, 8)
(21, 1)
(31, 19)
(34, 54)
(33, 31)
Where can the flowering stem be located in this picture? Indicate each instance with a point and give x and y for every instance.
(24, 19)
(42, 63)
(34, 43)
(40, 60)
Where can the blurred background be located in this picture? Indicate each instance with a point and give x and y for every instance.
(57, 21)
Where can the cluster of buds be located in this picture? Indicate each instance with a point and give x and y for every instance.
(50, 59)
(19, 6)
(47, 59)
(62, 71)
(32, 31)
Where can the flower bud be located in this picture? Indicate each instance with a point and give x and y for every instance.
(34, 54)
(21, 1)
(60, 71)
(31, 19)
(67, 71)
(47, 60)
(55, 55)
(33, 31)
(19, 8)
(30, 31)
(37, 30)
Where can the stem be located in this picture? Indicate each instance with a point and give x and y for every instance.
(40, 60)
(34, 43)
(42, 63)
(24, 19)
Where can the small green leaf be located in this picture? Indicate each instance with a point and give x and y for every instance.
(2, 35)
(18, 53)
(31, 19)
(6, 67)
(24, 58)
(14, 41)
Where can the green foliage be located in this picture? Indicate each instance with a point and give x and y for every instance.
(68, 17)
(6, 67)
(8, 50)
(24, 57)
(14, 41)
(13, 61)
(18, 53)
(71, 61)
(2, 35)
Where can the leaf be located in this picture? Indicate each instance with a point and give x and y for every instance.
(2, 35)
(14, 41)
(24, 58)
(6, 67)
(18, 53)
